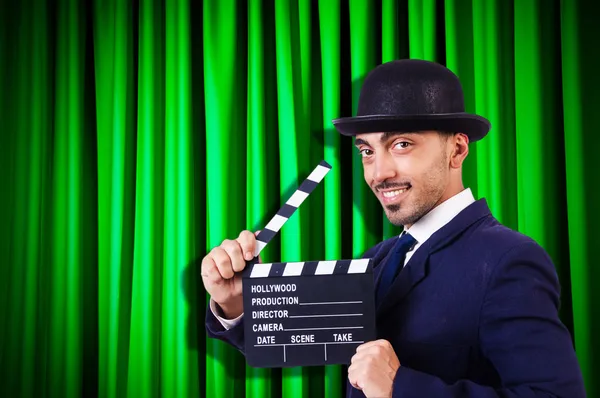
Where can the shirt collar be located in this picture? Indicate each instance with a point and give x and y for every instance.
(440, 215)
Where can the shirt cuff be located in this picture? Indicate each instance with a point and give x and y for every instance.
(227, 323)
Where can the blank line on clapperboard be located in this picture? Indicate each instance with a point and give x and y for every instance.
(333, 302)
(322, 315)
(274, 225)
(332, 328)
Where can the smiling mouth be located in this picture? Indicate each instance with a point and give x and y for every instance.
(391, 194)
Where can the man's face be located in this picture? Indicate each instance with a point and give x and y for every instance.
(408, 172)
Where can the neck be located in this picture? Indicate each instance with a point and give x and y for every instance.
(452, 189)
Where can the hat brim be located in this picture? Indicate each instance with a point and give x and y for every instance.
(474, 126)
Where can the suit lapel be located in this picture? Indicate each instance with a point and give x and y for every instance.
(417, 267)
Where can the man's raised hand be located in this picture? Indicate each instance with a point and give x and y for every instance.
(220, 272)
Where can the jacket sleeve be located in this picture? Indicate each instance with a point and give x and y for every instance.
(520, 334)
(233, 336)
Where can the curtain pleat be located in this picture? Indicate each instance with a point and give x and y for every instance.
(135, 137)
(580, 82)
(422, 29)
(66, 340)
(494, 96)
(116, 115)
(147, 276)
(224, 91)
(179, 366)
(144, 339)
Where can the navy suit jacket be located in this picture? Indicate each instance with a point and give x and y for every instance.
(473, 314)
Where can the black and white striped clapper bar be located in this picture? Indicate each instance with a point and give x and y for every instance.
(308, 313)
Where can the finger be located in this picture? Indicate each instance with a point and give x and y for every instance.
(223, 262)
(354, 384)
(209, 271)
(374, 352)
(365, 346)
(371, 344)
(234, 250)
(357, 357)
(367, 361)
(360, 384)
(352, 377)
(247, 241)
(360, 366)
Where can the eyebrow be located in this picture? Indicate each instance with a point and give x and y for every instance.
(360, 141)
(384, 138)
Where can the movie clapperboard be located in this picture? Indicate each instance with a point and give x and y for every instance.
(308, 313)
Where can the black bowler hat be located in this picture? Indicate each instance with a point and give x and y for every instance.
(412, 95)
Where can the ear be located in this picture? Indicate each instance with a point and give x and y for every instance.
(459, 150)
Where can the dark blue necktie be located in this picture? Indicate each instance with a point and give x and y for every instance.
(394, 264)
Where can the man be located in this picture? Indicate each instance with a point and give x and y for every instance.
(465, 306)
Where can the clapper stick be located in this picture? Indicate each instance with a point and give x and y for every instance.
(286, 211)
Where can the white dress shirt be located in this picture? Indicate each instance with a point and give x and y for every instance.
(439, 216)
(421, 231)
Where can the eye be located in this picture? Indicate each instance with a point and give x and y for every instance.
(365, 152)
(402, 144)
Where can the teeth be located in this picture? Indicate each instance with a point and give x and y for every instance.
(393, 193)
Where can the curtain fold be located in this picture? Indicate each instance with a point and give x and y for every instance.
(224, 144)
(135, 137)
(116, 146)
(580, 81)
(145, 338)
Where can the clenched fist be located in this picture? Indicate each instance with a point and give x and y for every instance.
(373, 369)
(219, 269)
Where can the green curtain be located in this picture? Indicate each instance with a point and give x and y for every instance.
(136, 136)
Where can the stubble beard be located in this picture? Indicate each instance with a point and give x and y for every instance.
(421, 200)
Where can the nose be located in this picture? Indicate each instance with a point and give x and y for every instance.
(384, 168)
